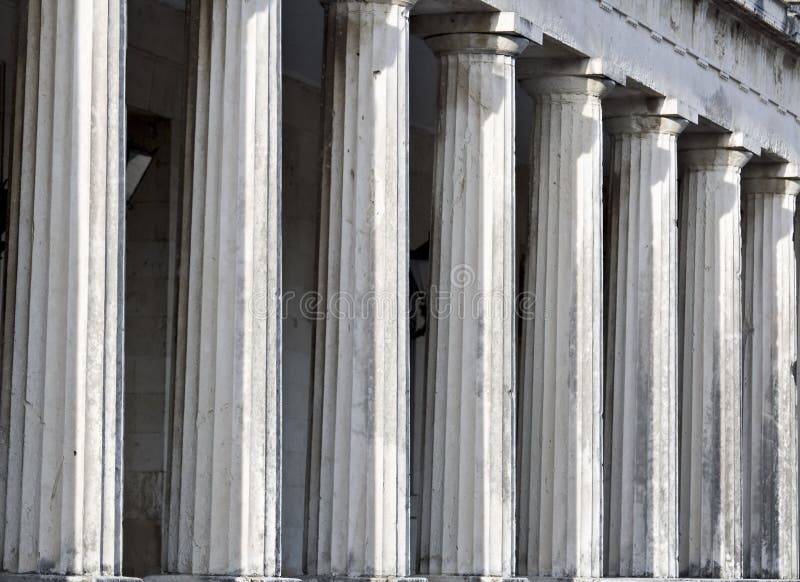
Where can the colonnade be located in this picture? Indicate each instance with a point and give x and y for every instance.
(646, 428)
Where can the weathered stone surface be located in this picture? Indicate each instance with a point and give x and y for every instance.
(560, 435)
(710, 355)
(60, 409)
(467, 523)
(640, 421)
(6, 577)
(205, 578)
(769, 405)
(223, 515)
(733, 67)
(358, 490)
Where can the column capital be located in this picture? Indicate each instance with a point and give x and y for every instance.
(709, 151)
(640, 115)
(578, 76)
(503, 33)
(781, 179)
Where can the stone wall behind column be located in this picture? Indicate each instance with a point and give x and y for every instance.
(301, 184)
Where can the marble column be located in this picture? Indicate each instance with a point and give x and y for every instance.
(61, 404)
(710, 355)
(467, 523)
(358, 488)
(641, 374)
(560, 440)
(223, 512)
(769, 404)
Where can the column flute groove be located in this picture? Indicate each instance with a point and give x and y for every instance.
(641, 423)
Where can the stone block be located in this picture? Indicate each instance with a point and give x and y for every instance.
(144, 452)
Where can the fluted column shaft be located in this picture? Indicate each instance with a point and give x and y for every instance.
(358, 499)
(711, 360)
(223, 513)
(641, 422)
(61, 408)
(769, 404)
(468, 495)
(560, 440)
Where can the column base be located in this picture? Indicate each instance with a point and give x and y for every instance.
(210, 578)
(33, 577)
